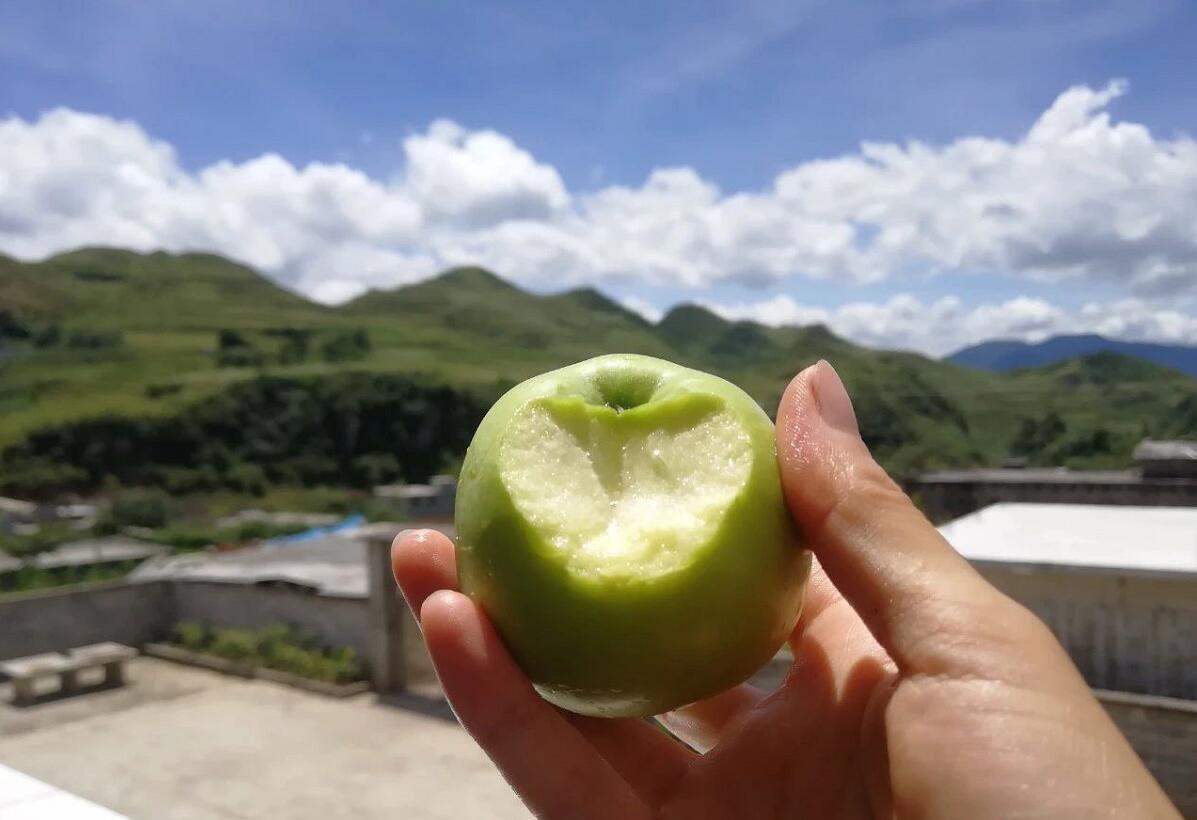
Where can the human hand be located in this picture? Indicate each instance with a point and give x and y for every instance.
(917, 690)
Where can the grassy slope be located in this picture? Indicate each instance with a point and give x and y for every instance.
(168, 308)
(470, 327)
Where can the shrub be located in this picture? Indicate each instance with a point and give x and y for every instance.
(1035, 436)
(374, 469)
(246, 478)
(276, 646)
(93, 340)
(191, 636)
(40, 479)
(234, 644)
(139, 508)
(157, 391)
(183, 480)
(347, 346)
(343, 666)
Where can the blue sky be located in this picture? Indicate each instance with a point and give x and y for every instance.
(603, 95)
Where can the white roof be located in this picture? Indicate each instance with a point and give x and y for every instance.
(15, 506)
(8, 563)
(1179, 450)
(1131, 539)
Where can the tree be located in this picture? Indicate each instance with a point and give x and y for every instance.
(351, 428)
(139, 508)
(347, 346)
(1034, 437)
(11, 327)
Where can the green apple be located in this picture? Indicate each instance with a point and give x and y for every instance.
(622, 523)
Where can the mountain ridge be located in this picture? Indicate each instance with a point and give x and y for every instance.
(1004, 355)
(163, 320)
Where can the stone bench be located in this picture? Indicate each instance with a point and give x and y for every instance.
(25, 672)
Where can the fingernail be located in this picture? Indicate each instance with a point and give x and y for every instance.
(832, 400)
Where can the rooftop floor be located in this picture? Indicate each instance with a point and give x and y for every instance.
(1118, 538)
(185, 744)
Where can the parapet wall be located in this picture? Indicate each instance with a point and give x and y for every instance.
(1126, 632)
(54, 620)
(1164, 733)
(136, 613)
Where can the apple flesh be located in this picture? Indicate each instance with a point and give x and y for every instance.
(621, 521)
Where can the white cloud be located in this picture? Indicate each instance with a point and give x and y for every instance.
(480, 177)
(945, 325)
(1080, 197)
(73, 179)
(643, 307)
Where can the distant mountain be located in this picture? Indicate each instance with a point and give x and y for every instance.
(1004, 356)
(160, 321)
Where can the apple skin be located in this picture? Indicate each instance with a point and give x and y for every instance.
(639, 646)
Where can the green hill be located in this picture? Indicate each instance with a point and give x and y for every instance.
(465, 307)
(110, 288)
(104, 333)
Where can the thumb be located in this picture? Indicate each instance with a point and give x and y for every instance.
(922, 601)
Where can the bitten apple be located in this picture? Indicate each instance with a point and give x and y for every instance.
(621, 521)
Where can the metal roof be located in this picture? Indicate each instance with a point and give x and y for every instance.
(96, 551)
(330, 566)
(333, 565)
(1117, 538)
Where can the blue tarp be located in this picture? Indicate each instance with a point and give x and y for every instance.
(320, 532)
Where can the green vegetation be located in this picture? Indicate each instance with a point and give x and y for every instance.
(286, 346)
(341, 501)
(275, 647)
(47, 537)
(183, 537)
(346, 429)
(224, 382)
(29, 578)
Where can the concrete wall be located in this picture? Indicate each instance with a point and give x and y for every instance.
(1128, 633)
(1164, 733)
(398, 659)
(136, 613)
(337, 621)
(945, 500)
(57, 619)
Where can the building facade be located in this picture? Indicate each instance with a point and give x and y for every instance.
(1165, 476)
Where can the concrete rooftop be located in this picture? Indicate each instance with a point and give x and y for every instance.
(1122, 538)
(185, 744)
(24, 798)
